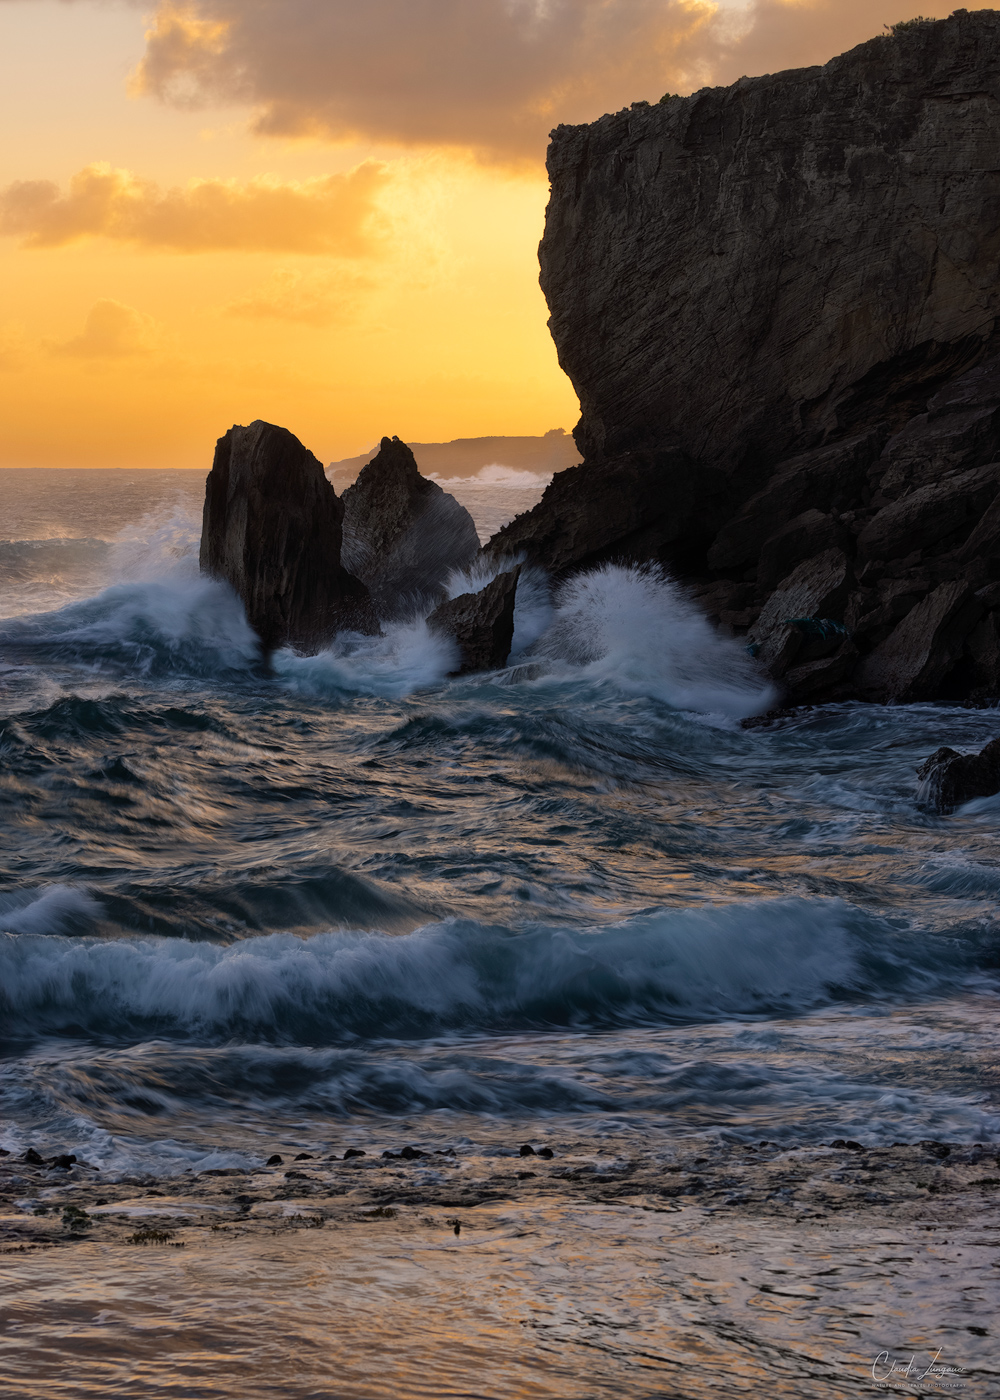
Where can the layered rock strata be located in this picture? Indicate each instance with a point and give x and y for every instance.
(778, 303)
(272, 529)
(403, 535)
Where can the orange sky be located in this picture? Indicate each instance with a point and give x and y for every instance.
(317, 212)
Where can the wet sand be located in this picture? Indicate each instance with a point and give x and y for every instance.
(709, 1270)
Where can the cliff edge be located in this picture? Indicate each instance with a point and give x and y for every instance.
(778, 304)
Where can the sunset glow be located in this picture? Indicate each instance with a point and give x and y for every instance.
(217, 212)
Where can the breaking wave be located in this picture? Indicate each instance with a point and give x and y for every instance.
(771, 957)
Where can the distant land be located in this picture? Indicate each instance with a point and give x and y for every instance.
(466, 456)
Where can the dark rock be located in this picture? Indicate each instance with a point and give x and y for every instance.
(275, 1160)
(853, 1146)
(303, 1157)
(527, 1150)
(482, 623)
(705, 270)
(809, 534)
(811, 678)
(817, 589)
(390, 1155)
(947, 778)
(636, 508)
(913, 661)
(983, 647)
(825, 479)
(774, 361)
(403, 535)
(33, 1159)
(64, 1161)
(293, 1175)
(930, 513)
(935, 1148)
(411, 1153)
(272, 529)
(354, 1152)
(545, 1152)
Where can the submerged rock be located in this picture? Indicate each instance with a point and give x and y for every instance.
(482, 623)
(272, 529)
(403, 535)
(947, 778)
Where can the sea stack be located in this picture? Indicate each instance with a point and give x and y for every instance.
(403, 535)
(272, 528)
(778, 303)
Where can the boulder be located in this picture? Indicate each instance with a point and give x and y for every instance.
(810, 678)
(930, 513)
(403, 535)
(271, 527)
(947, 778)
(816, 588)
(482, 623)
(915, 658)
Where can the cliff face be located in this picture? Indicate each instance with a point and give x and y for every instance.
(769, 298)
(743, 272)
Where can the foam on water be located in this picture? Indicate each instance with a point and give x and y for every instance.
(771, 957)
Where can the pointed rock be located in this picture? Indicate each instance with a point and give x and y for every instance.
(482, 623)
(403, 535)
(272, 529)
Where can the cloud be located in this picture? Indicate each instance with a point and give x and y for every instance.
(797, 33)
(331, 214)
(111, 331)
(311, 299)
(487, 75)
(482, 74)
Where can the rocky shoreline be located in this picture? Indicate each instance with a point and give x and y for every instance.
(921, 1186)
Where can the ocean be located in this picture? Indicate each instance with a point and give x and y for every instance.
(574, 906)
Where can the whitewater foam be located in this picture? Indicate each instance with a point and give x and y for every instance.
(764, 958)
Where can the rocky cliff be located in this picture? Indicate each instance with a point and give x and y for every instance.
(272, 529)
(778, 303)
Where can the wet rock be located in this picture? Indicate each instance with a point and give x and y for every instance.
(410, 1154)
(816, 588)
(947, 778)
(481, 623)
(808, 679)
(354, 1152)
(403, 535)
(32, 1158)
(914, 660)
(271, 528)
(527, 1150)
(545, 1152)
(63, 1161)
(303, 1157)
(275, 1160)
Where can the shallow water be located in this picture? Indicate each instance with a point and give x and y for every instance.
(359, 902)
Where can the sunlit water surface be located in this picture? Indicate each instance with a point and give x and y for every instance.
(357, 901)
